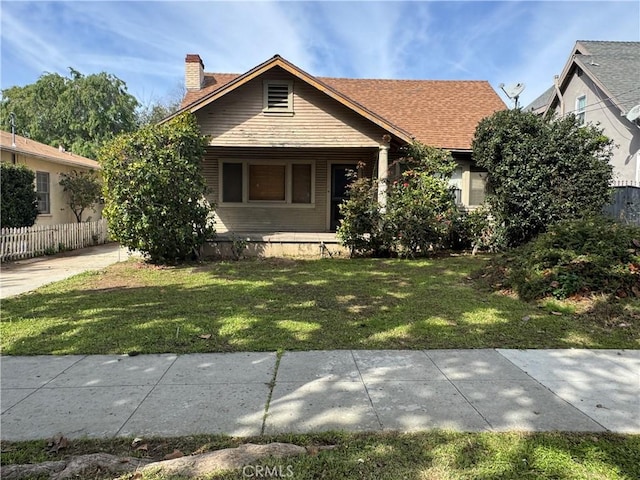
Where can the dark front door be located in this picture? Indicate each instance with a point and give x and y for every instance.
(340, 179)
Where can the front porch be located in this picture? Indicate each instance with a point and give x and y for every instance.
(276, 244)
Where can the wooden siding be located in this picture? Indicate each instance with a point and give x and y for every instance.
(256, 217)
(317, 120)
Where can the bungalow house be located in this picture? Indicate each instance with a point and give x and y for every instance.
(600, 84)
(47, 163)
(282, 142)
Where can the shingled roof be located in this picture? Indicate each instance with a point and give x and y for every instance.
(26, 146)
(613, 66)
(441, 113)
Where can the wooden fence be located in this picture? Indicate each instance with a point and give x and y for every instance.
(625, 206)
(27, 242)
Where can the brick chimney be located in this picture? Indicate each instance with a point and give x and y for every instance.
(193, 72)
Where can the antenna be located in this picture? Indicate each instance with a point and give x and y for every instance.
(513, 91)
(634, 115)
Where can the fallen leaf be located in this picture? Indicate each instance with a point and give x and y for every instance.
(143, 447)
(205, 336)
(173, 455)
(136, 441)
(526, 318)
(556, 313)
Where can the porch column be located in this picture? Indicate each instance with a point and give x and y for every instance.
(383, 172)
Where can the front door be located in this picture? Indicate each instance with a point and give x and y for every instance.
(340, 179)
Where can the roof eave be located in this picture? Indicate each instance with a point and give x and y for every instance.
(49, 158)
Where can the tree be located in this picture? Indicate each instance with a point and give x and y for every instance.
(83, 190)
(78, 112)
(541, 171)
(154, 190)
(19, 206)
(156, 110)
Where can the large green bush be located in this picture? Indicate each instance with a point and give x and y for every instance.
(19, 206)
(154, 190)
(594, 255)
(541, 171)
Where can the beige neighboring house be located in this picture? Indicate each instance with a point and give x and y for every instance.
(48, 163)
(282, 142)
(600, 84)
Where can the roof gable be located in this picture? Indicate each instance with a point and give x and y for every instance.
(26, 146)
(613, 66)
(439, 113)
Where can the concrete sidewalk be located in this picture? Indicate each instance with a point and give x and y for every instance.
(27, 275)
(244, 394)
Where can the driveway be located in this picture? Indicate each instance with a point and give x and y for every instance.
(27, 275)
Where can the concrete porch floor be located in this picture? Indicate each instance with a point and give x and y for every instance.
(278, 244)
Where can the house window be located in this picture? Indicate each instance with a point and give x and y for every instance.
(267, 183)
(301, 183)
(278, 96)
(260, 181)
(42, 191)
(232, 182)
(477, 188)
(581, 107)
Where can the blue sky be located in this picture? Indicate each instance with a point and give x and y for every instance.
(144, 43)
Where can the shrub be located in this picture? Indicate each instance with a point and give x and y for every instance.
(475, 229)
(362, 229)
(19, 207)
(594, 255)
(541, 171)
(418, 213)
(154, 190)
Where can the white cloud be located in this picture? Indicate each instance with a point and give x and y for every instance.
(144, 43)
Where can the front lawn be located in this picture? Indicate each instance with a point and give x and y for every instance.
(425, 455)
(272, 304)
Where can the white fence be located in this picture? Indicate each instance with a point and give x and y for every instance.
(27, 242)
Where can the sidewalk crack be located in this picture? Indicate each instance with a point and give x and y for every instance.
(271, 385)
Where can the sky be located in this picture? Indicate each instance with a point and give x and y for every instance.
(144, 43)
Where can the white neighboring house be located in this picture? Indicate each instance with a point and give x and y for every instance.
(48, 163)
(600, 84)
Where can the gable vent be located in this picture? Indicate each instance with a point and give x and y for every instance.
(278, 95)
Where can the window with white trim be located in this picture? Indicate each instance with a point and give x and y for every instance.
(267, 182)
(581, 107)
(477, 186)
(278, 96)
(43, 192)
(455, 183)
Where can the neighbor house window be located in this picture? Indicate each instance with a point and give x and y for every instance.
(278, 96)
(261, 181)
(581, 107)
(477, 185)
(42, 191)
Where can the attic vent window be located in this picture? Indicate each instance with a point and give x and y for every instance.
(278, 97)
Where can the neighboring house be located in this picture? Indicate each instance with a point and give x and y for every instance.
(282, 142)
(600, 84)
(47, 163)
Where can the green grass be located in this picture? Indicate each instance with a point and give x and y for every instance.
(280, 304)
(428, 455)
